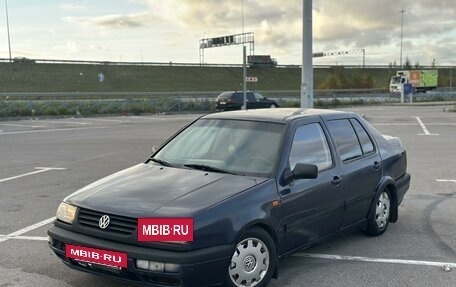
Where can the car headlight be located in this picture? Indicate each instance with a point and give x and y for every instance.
(66, 212)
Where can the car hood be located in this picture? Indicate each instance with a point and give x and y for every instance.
(150, 190)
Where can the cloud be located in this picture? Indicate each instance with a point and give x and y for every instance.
(72, 7)
(342, 24)
(115, 21)
(337, 25)
(72, 46)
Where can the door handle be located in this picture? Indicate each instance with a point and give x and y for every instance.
(376, 165)
(336, 180)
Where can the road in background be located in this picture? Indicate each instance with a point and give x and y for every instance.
(42, 161)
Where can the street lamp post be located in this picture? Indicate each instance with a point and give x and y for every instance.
(244, 65)
(307, 64)
(402, 11)
(7, 28)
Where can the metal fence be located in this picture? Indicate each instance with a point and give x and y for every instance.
(31, 104)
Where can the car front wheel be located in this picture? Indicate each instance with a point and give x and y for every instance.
(380, 214)
(253, 261)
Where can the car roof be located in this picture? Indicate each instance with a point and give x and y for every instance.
(280, 115)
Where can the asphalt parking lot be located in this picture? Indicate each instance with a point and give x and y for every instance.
(43, 160)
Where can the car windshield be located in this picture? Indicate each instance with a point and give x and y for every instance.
(231, 146)
(395, 80)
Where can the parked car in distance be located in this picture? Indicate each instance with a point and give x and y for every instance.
(256, 186)
(228, 101)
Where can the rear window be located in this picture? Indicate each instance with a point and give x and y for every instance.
(225, 95)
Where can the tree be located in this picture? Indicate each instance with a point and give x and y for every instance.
(408, 64)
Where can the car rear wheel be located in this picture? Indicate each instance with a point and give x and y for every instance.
(273, 106)
(253, 261)
(380, 214)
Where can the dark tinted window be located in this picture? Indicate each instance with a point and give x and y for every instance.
(345, 138)
(310, 146)
(365, 141)
(250, 97)
(238, 97)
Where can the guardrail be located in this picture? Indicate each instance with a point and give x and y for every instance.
(50, 61)
(71, 103)
(192, 94)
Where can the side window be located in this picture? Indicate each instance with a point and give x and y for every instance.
(250, 97)
(365, 141)
(345, 139)
(238, 97)
(310, 146)
(258, 97)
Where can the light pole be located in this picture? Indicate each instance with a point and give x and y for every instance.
(307, 64)
(7, 28)
(244, 65)
(402, 11)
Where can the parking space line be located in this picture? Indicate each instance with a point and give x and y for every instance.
(110, 120)
(64, 122)
(30, 238)
(376, 260)
(446, 180)
(24, 126)
(394, 124)
(425, 130)
(54, 130)
(26, 229)
(39, 170)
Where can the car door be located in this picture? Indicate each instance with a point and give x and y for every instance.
(251, 101)
(261, 101)
(312, 208)
(360, 166)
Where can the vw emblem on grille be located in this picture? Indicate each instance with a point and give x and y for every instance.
(104, 221)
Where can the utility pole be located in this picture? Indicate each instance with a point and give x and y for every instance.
(307, 64)
(402, 11)
(7, 28)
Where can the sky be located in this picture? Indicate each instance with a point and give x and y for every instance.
(170, 30)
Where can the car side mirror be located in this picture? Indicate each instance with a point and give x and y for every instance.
(302, 171)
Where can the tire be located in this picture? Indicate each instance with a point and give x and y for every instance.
(273, 106)
(380, 214)
(254, 260)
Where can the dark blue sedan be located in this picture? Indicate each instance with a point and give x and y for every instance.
(225, 198)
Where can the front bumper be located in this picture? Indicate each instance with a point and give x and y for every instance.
(202, 267)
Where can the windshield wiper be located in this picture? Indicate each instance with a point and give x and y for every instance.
(162, 162)
(208, 168)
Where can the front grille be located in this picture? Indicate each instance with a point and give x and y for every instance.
(118, 224)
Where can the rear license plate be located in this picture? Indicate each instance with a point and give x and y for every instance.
(97, 256)
(223, 103)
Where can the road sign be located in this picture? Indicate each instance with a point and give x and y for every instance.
(251, 79)
(101, 77)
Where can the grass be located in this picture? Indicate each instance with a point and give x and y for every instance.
(40, 77)
(133, 107)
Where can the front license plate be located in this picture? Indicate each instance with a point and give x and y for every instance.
(97, 256)
(223, 103)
